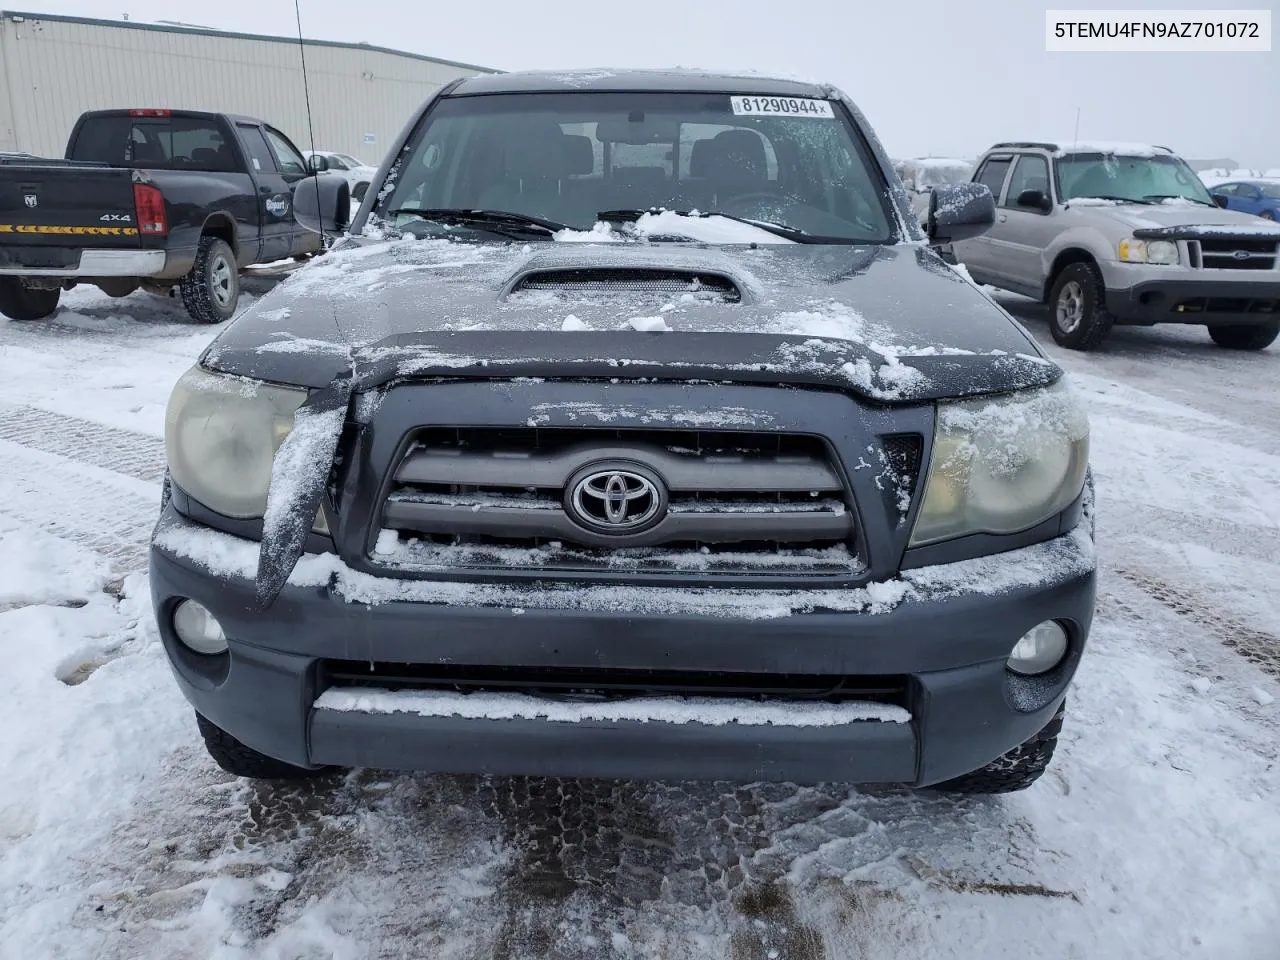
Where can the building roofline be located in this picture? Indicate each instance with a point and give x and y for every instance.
(234, 35)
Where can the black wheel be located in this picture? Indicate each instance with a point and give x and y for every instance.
(1267, 215)
(21, 302)
(1015, 770)
(357, 194)
(1245, 336)
(237, 759)
(212, 288)
(1078, 317)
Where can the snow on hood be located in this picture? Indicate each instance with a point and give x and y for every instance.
(1179, 214)
(890, 323)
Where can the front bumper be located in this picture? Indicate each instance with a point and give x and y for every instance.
(947, 638)
(1144, 294)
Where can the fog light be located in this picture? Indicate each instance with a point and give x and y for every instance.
(198, 629)
(1040, 649)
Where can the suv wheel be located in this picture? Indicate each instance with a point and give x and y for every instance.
(1245, 336)
(212, 288)
(20, 302)
(1016, 770)
(357, 195)
(241, 761)
(1078, 316)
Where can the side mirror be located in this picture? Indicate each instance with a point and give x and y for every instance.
(959, 211)
(1036, 199)
(317, 163)
(1220, 199)
(322, 203)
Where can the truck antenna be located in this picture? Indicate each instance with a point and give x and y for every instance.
(1075, 137)
(306, 92)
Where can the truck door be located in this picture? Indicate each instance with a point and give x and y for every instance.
(275, 195)
(294, 169)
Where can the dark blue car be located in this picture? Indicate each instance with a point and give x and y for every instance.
(1259, 197)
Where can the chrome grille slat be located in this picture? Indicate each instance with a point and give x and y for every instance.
(683, 472)
(524, 523)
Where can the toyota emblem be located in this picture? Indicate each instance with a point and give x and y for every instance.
(618, 499)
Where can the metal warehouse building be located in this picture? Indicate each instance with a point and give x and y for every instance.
(53, 68)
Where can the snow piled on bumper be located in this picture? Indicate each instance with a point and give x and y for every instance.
(707, 711)
(1042, 564)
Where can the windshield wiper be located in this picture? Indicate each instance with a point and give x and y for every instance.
(769, 226)
(1177, 196)
(1103, 196)
(498, 221)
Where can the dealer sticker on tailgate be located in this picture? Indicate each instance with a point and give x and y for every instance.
(781, 107)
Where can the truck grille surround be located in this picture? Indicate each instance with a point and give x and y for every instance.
(1231, 253)
(623, 500)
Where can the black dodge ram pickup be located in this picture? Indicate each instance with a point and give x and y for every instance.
(155, 198)
(634, 430)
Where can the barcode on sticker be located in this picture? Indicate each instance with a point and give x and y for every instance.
(780, 107)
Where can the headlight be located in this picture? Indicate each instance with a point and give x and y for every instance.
(1148, 251)
(1002, 465)
(221, 434)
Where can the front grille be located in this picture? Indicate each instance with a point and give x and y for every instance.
(735, 502)
(603, 684)
(614, 280)
(1229, 253)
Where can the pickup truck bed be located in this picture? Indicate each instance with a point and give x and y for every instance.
(153, 198)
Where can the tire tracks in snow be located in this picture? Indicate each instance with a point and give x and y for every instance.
(104, 481)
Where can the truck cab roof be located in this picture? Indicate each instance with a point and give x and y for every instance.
(671, 80)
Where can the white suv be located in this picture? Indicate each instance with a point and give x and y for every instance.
(1123, 233)
(358, 173)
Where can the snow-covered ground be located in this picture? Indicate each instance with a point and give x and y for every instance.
(1154, 835)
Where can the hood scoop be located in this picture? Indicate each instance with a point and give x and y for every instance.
(629, 282)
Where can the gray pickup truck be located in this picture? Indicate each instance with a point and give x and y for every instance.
(1124, 233)
(634, 430)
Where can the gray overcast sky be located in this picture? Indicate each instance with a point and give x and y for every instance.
(934, 77)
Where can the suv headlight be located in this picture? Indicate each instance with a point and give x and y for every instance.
(1003, 464)
(1148, 251)
(221, 434)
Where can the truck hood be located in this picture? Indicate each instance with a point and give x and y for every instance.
(888, 323)
(1138, 217)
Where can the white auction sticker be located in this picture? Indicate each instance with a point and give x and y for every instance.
(781, 107)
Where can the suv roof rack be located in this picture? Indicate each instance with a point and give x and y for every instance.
(1025, 143)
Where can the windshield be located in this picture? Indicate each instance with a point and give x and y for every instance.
(1131, 179)
(567, 158)
(349, 160)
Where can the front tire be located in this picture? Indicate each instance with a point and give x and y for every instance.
(1267, 215)
(20, 302)
(1078, 317)
(212, 288)
(1245, 336)
(1013, 771)
(241, 761)
(357, 195)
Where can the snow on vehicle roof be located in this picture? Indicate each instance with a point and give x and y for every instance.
(1117, 147)
(928, 162)
(667, 79)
